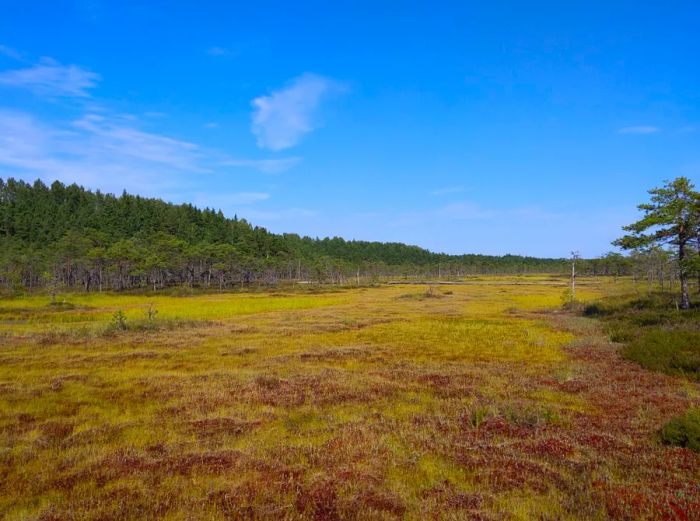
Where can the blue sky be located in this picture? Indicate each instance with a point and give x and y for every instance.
(524, 127)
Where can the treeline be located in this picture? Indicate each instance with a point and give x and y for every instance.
(66, 236)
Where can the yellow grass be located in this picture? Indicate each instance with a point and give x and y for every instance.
(346, 404)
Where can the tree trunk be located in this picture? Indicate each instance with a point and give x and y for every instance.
(698, 245)
(683, 277)
(685, 298)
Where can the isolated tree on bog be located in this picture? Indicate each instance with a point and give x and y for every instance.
(672, 217)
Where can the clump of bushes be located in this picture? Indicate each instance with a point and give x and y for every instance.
(150, 322)
(683, 431)
(569, 302)
(118, 322)
(668, 351)
(427, 294)
(656, 334)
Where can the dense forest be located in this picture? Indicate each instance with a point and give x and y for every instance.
(67, 236)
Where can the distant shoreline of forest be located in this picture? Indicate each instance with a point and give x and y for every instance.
(64, 236)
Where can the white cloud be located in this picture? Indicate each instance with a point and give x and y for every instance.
(94, 151)
(228, 201)
(263, 217)
(110, 153)
(463, 211)
(267, 166)
(459, 211)
(248, 197)
(448, 190)
(642, 129)
(114, 138)
(281, 119)
(50, 78)
(10, 52)
(101, 148)
(467, 211)
(217, 51)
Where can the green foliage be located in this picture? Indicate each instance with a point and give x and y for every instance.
(683, 431)
(567, 299)
(656, 334)
(66, 236)
(118, 322)
(668, 351)
(672, 217)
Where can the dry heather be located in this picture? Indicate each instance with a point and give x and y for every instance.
(477, 401)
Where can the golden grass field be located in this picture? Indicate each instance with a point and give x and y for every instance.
(480, 401)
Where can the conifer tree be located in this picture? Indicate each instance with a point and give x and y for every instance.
(671, 217)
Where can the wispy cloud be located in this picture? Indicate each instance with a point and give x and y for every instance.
(281, 119)
(267, 166)
(467, 211)
(9, 52)
(262, 216)
(228, 201)
(448, 190)
(248, 197)
(459, 211)
(99, 147)
(109, 152)
(114, 137)
(641, 129)
(463, 211)
(217, 51)
(50, 78)
(95, 151)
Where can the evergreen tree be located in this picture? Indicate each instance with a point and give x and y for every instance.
(672, 217)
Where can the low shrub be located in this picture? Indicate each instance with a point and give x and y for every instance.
(118, 322)
(657, 334)
(683, 431)
(592, 310)
(668, 351)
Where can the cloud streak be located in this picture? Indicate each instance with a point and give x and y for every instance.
(112, 154)
(641, 129)
(228, 201)
(217, 51)
(10, 52)
(265, 217)
(50, 78)
(266, 166)
(94, 151)
(467, 211)
(448, 190)
(100, 148)
(281, 119)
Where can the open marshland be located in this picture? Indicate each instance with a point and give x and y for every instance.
(476, 401)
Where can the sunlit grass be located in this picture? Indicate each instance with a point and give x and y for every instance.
(353, 404)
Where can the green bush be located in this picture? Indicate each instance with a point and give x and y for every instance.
(593, 310)
(620, 331)
(657, 334)
(118, 322)
(683, 431)
(668, 351)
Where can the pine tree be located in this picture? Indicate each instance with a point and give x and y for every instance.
(672, 217)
